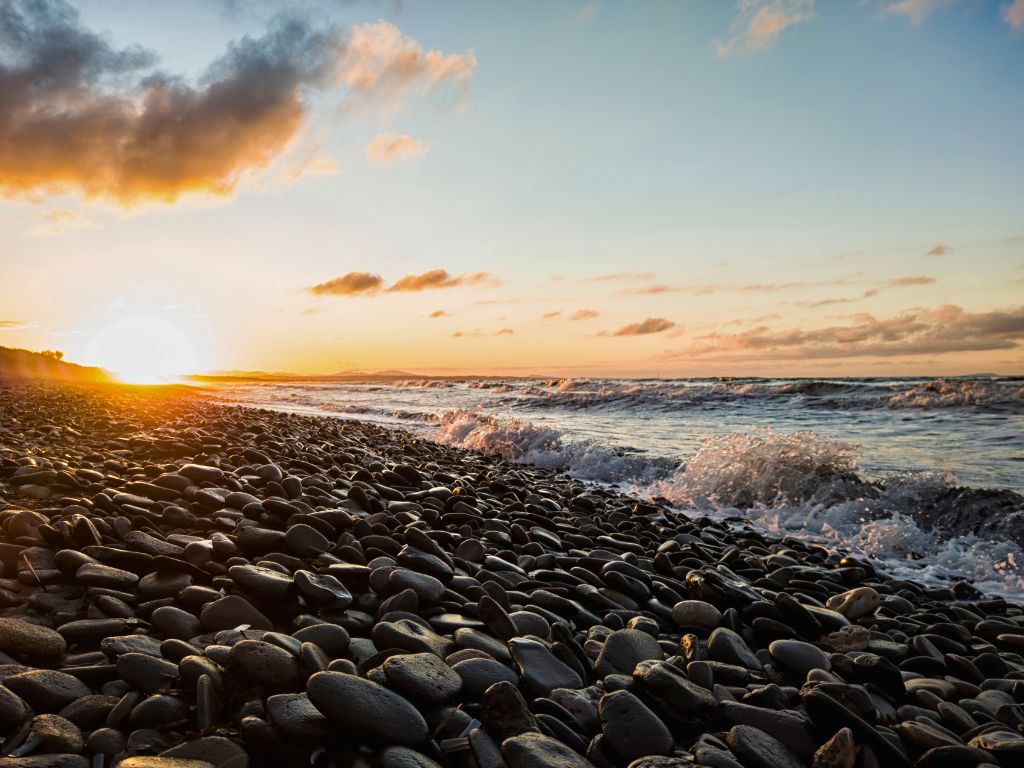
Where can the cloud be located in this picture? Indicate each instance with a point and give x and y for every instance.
(551, 315)
(942, 250)
(441, 278)
(438, 313)
(389, 148)
(902, 282)
(505, 332)
(59, 221)
(870, 293)
(942, 330)
(619, 276)
(295, 168)
(79, 116)
(917, 11)
(379, 62)
(707, 290)
(16, 325)
(466, 335)
(367, 283)
(1013, 14)
(643, 328)
(584, 314)
(758, 23)
(351, 284)
(651, 290)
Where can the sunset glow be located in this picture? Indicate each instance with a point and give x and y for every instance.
(141, 350)
(332, 187)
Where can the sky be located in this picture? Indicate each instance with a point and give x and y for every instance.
(771, 187)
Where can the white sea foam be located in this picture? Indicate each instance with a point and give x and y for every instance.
(798, 484)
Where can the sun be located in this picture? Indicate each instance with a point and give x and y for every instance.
(142, 350)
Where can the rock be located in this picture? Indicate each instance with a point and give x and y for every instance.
(262, 581)
(534, 750)
(403, 757)
(422, 677)
(623, 650)
(46, 690)
(505, 713)
(147, 673)
(696, 614)
(632, 730)
(371, 709)
(296, 717)
(756, 749)
(13, 710)
(798, 657)
(215, 750)
(540, 670)
(838, 752)
(263, 664)
(100, 575)
(856, 603)
(851, 638)
(231, 611)
(148, 761)
(477, 675)
(22, 639)
(726, 646)
(56, 734)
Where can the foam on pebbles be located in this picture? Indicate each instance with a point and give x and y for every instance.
(189, 585)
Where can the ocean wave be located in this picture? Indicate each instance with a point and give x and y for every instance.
(522, 441)
(851, 394)
(801, 484)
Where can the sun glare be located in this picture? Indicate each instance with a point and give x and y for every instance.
(142, 350)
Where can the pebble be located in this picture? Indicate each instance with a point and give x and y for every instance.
(22, 639)
(371, 709)
(197, 584)
(631, 728)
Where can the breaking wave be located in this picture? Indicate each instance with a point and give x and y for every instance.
(853, 394)
(798, 484)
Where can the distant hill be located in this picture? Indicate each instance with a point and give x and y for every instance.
(23, 364)
(339, 376)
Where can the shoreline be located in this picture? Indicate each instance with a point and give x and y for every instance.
(490, 609)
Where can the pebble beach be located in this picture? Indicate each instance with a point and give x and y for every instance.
(188, 584)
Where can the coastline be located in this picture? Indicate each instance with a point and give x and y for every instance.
(490, 608)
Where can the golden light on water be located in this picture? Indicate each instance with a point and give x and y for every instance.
(142, 350)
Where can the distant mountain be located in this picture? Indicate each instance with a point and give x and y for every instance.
(279, 376)
(23, 364)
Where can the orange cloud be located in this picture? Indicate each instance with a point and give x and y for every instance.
(377, 60)
(584, 314)
(59, 221)
(352, 284)
(505, 332)
(643, 328)
(367, 283)
(389, 148)
(619, 276)
(437, 313)
(944, 329)
(902, 282)
(551, 315)
(1013, 14)
(915, 10)
(78, 116)
(942, 250)
(441, 278)
(759, 23)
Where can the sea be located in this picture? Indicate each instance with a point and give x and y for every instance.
(778, 454)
